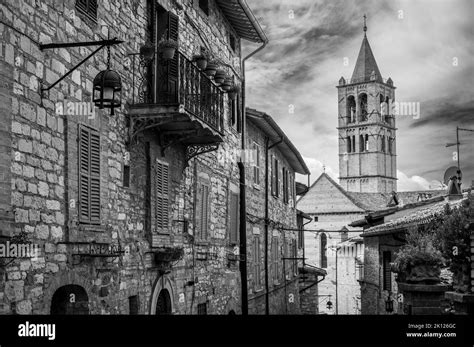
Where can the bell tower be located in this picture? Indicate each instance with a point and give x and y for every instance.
(367, 132)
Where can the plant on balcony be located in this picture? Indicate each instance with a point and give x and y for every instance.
(452, 238)
(418, 261)
(234, 91)
(147, 51)
(220, 76)
(201, 60)
(212, 66)
(227, 84)
(167, 47)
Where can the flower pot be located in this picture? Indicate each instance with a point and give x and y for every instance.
(211, 69)
(219, 78)
(168, 53)
(201, 63)
(227, 84)
(147, 52)
(419, 273)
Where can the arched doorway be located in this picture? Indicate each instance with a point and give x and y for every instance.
(163, 303)
(70, 299)
(232, 313)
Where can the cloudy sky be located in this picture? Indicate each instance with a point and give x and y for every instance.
(425, 46)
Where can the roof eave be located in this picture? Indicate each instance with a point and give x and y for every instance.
(303, 168)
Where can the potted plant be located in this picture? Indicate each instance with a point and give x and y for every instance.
(201, 60)
(220, 76)
(227, 84)
(418, 261)
(234, 91)
(147, 51)
(452, 238)
(167, 47)
(211, 69)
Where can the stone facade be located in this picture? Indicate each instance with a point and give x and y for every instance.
(373, 292)
(42, 188)
(283, 273)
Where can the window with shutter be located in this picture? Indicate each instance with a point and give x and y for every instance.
(323, 251)
(275, 178)
(89, 175)
(202, 211)
(256, 262)
(161, 201)
(88, 8)
(387, 274)
(285, 185)
(166, 76)
(276, 259)
(234, 219)
(256, 166)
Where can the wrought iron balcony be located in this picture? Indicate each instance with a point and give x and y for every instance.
(177, 84)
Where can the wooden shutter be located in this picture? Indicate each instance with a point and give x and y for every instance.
(161, 197)
(257, 261)
(234, 218)
(87, 7)
(276, 260)
(202, 211)
(89, 176)
(166, 77)
(272, 174)
(387, 274)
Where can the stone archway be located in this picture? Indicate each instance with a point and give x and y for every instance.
(162, 299)
(70, 299)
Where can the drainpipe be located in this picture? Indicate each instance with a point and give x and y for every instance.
(243, 208)
(267, 299)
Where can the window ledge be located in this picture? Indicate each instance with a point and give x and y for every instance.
(92, 227)
(257, 186)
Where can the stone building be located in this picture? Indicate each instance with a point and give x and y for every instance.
(383, 236)
(274, 243)
(131, 209)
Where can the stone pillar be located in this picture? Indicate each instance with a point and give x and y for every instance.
(422, 299)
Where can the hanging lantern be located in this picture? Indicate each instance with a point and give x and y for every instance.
(329, 305)
(107, 87)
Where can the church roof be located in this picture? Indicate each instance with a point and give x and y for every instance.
(366, 65)
(323, 199)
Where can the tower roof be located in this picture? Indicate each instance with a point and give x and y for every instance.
(366, 68)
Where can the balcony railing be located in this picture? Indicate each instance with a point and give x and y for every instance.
(178, 82)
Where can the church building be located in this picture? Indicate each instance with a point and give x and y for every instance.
(367, 183)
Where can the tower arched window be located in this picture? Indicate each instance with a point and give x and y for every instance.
(383, 107)
(351, 109)
(382, 143)
(324, 258)
(387, 114)
(366, 142)
(349, 145)
(363, 113)
(361, 143)
(353, 144)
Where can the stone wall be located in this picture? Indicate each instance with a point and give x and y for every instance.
(372, 292)
(44, 166)
(284, 293)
